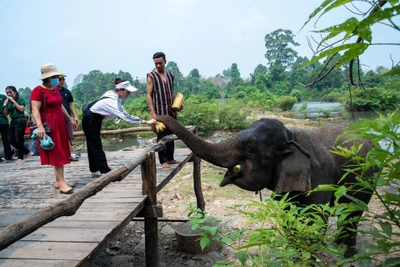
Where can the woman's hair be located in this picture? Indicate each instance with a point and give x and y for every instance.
(14, 90)
(47, 80)
(119, 80)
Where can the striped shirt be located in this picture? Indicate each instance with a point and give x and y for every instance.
(163, 93)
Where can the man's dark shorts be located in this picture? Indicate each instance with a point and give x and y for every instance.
(70, 130)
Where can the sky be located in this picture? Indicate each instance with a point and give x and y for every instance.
(79, 36)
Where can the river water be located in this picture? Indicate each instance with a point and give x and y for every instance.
(314, 110)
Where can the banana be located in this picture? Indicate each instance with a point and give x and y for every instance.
(160, 127)
(237, 168)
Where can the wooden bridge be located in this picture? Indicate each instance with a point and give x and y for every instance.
(41, 227)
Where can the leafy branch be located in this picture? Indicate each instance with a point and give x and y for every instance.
(351, 28)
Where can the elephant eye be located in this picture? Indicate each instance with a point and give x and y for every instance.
(250, 150)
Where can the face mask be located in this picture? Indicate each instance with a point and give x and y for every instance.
(54, 82)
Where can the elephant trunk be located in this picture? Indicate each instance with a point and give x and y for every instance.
(223, 154)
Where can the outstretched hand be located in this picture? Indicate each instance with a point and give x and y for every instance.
(150, 122)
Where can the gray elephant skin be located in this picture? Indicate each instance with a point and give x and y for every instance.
(282, 160)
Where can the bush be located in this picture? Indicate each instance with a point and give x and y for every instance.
(296, 93)
(286, 103)
(203, 115)
(231, 118)
(377, 99)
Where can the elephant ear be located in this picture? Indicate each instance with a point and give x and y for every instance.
(295, 172)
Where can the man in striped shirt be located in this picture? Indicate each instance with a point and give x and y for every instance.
(160, 96)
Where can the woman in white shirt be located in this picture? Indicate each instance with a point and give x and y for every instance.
(108, 106)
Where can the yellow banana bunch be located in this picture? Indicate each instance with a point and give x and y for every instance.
(160, 127)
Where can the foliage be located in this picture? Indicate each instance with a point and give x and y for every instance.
(25, 94)
(95, 83)
(373, 99)
(297, 94)
(283, 234)
(286, 103)
(324, 112)
(278, 50)
(198, 111)
(384, 134)
(232, 118)
(380, 12)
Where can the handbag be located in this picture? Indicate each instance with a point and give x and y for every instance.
(33, 126)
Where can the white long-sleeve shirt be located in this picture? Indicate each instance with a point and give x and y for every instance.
(111, 107)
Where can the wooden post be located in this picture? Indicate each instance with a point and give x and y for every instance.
(149, 179)
(197, 182)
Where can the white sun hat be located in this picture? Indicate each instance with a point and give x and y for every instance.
(127, 86)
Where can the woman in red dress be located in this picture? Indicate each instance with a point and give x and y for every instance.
(52, 111)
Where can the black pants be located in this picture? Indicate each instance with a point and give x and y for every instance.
(4, 139)
(168, 153)
(16, 134)
(91, 124)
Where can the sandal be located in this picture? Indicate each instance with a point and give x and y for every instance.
(173, 162)
(68, 191)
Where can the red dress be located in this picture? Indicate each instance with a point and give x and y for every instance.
(60, 154)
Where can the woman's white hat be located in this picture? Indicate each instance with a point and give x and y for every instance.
(127, 86)
(48, 70)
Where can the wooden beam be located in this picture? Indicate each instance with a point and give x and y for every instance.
(154, 211)
(149, 178)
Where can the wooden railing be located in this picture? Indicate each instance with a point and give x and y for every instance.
(150, 212)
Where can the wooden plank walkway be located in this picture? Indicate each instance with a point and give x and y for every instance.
(74, 240)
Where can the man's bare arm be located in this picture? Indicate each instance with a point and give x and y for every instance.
(150, 96)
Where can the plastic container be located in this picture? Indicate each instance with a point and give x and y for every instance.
(178, 102)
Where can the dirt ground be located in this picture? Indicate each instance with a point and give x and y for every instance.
(128, 248)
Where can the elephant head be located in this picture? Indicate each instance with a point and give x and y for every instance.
(262, 156)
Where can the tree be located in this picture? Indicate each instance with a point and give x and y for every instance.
(260, 69)
(278, 50)
(193, 81)
(173, 67)
(25, 94)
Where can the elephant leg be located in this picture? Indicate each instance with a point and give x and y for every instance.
(349, 235)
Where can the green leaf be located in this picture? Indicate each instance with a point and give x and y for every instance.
(386, 228)
(204, 241)
(392, 262)
(354, 50)
(392, 72)
(347, 27)
(242, 257)
(325, 5)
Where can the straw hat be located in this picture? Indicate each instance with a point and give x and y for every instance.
(48, 70)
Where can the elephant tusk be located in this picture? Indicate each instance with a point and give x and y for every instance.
(237, 168)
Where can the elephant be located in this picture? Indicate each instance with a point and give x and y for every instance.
(285, 161)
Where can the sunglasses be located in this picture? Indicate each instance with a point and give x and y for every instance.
(61, 79)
